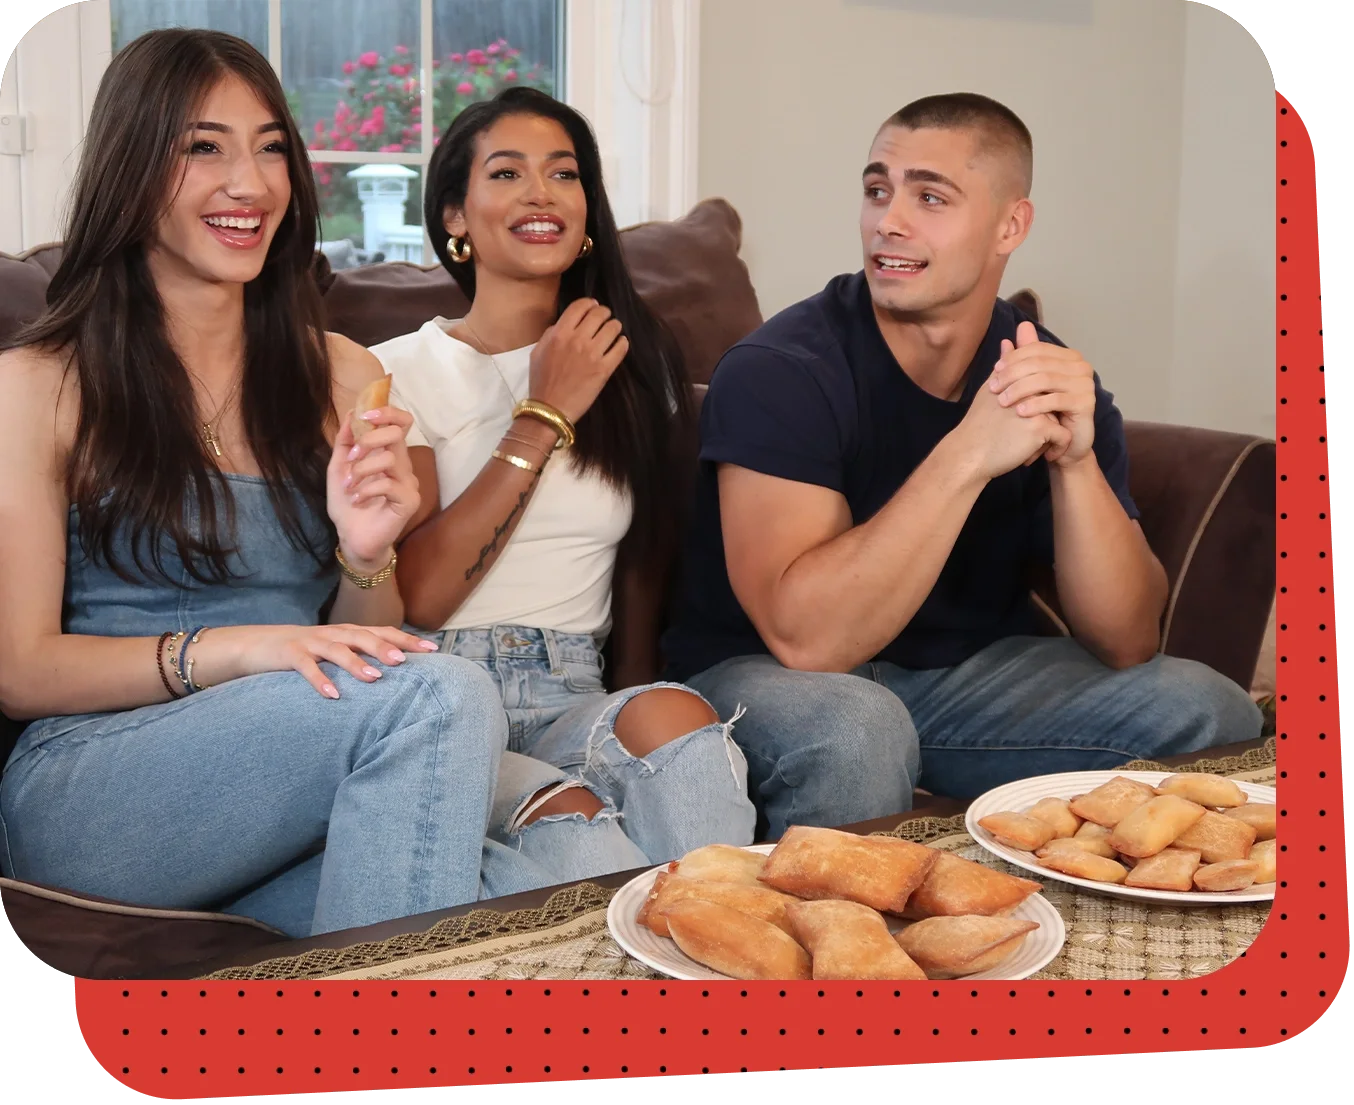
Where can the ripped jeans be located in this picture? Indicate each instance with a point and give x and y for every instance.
(686, 793)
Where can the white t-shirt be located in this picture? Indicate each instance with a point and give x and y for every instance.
(556, 570)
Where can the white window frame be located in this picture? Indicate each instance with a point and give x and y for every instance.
(630, 66)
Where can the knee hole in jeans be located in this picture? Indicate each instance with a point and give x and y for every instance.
(654, 718)
(573, 799)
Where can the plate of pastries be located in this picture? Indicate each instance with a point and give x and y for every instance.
(1191, 838)
(825, 904)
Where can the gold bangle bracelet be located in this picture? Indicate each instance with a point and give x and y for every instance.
(535, 446)
(543, 412)
(366, 582)
(516, 461)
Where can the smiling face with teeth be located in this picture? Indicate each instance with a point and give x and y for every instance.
(229, 196)
(525, 211)
(938, 221)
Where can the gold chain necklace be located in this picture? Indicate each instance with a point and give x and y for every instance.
(208, 428)
(485, 350)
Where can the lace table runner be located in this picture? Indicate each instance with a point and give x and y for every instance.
(567, 938)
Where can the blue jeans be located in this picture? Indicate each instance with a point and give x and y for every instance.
(686, 793)
(225, 799)
(832, 749)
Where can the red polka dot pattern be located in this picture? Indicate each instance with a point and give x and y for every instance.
(186, 1039)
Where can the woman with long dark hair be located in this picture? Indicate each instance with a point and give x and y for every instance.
(547, 426)
(197, 544)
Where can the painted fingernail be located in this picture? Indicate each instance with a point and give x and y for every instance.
(352, 453)
(348, 482)
(355, 499)
(372, 416)
(330, 691)
(371, 673)
(396, 656)
(427, 646)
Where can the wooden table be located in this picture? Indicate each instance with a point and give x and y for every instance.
(929, 806)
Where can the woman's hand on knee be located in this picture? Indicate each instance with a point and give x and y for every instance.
(232, 652)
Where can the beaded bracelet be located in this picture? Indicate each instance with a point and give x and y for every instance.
(187, 662)
(193, 635)
(160, 663)
(173, 646)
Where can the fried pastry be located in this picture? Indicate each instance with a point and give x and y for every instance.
(1095, 839)
(950, 947)
(1263, 854)
(847, 940)
(877, 871)
(735, 944)
(1230, 874)
(1218, 837)
(1018, 830)
(1153, 825)
(956, 886)
(1112, 801)
(1261, 816)
(1207, 790)
(756, 901)
(1071, 859)
(720, 863)
(1056, 813)
(372, 397)
(1170, 869)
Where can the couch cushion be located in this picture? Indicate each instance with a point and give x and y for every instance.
(97, 938)
(690, 274)
(23, 286)
(687, 270)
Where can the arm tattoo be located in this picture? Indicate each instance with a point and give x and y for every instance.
(499, 532)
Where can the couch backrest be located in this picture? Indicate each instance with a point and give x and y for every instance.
(688, 271)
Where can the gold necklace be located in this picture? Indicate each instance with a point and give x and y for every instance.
(208, 428)
(485, 350)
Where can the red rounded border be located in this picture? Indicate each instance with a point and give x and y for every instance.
(187, 1039)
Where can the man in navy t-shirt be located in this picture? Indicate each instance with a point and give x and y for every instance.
(882, 465)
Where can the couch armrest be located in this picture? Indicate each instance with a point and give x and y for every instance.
(1207, 504)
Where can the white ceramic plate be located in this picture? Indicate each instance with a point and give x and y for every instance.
(1024, 793)
(663, 954)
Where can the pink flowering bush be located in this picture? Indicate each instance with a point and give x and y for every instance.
(381, 103)
(380, 109)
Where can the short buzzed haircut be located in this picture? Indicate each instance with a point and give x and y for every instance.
(998, 129)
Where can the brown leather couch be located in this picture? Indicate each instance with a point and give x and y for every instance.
(1207, 502)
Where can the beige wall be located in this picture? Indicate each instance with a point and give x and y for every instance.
(1224, 264)
(1131, 104)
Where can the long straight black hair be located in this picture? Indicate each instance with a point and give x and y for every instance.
(632, 433)
(139, 464)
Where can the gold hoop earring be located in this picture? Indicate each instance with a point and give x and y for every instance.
(586, 248)
(460, 250)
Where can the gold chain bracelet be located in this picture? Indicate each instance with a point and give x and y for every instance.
(366, 582)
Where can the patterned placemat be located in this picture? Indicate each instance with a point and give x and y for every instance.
(567, 938)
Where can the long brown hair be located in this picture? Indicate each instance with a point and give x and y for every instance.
(634, 434)
(139, 466)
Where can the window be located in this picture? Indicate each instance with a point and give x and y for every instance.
(354, 74)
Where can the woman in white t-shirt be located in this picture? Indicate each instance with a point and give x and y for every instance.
(546, 421)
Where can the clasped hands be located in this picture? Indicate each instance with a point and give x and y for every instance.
(1038, 380)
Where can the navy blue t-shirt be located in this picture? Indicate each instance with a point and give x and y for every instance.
(816, 396)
